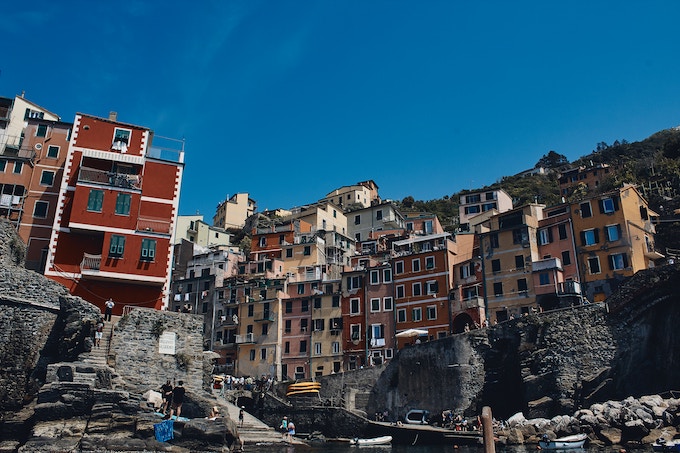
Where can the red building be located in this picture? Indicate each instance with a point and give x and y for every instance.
(116, 214)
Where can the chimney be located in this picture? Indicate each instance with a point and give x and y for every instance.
(113, 116)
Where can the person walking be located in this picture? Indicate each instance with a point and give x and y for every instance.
(284, 427)
(109, 309)
(240, 417)
(291, 430)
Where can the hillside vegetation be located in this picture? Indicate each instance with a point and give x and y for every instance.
(653, 165)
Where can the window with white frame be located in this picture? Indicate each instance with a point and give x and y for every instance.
(388, 304)
(53, 151)
(545, 236)
(613, 232)
(121, 139)
(429, 262)
(399, 267)
(335, 347)
(401, 315)
(263, 241)
(590, 237)
(317, 348)
(354, 282)
(354, 306)
(417, 314)
(415, 265)
(431, 312)
(387, 275)
(417, 289)
(594, 265)
(432, 287)
(40, 209)
(3, 165)
(148, 250)
(375, 277)
(375, 304)
(116, 246)
(389, 353)
(608, 205)
(400, 291)
(355, 332)
(18, 166)
(586, 211)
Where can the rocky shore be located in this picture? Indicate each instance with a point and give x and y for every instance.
(633, 421)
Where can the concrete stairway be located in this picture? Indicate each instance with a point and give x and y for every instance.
(253, 431)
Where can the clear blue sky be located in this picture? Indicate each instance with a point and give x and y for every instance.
(288, 100)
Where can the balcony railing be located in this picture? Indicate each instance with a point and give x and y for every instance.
(266, 317)
(153, 224)
(125, 181)
(547, 264)
(568, 288)
(652, 252)
(247, 338)
(90, 262)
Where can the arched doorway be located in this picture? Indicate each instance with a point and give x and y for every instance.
(460, 321)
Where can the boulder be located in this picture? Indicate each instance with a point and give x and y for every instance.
(610, 436)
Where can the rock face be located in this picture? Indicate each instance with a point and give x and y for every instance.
(57, 394)
(547, 364)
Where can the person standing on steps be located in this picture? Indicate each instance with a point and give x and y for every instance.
(166, 393)
(240, 417)
(99, 333)
(109, 308)
(177, 399)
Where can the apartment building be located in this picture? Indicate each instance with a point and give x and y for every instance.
(194, 229)
(326, 329)
(476, 203)
(467, 295)
(354, 314)
(378, 217)
(116, 214)
(508, 246)
(233, 212)
(380, 313)
(297, 322)
(422, 268)
(422, 223)
(615, 239)
(282, 240)
(590, 177)
(364, 193)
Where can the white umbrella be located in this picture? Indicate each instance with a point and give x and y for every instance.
(411, 333)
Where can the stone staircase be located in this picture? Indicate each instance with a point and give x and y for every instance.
(253, 431)
(98, 357)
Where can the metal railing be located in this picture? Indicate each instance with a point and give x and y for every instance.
(108, 178)
(90, 262)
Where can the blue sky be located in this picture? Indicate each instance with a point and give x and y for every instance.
(288, 100)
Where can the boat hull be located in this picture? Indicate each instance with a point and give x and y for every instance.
(382, 440)
(564, 443)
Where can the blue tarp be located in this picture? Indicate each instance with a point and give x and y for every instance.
(164, 430)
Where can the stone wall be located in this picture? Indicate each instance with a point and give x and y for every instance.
(135, 350)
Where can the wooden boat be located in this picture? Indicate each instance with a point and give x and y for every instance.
(382, 440)
(662, 444)
(563, 443)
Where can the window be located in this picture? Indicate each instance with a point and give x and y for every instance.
(417, 289)
(265, 328)
(40, 209)
(263, 354)
(252, 354)
(317, 348)
(303, 346)
(472, 209)
(46, 178)
(429, 262)
(431, 312)
(415, 265)
(493, 240)
(304, 322)
(594, 265)
(95, 200)
(357, 219)
(520, 236)
(498, 289)
(496, 265)
(400, 291)
(286, 347)
(377, 331)
(522, 285)
(304, 305)
(545, 236)
(317, 302)
(590, 237)
(41, 131)
(335, 347)
(562, 231)
(123, 204)
(301, 288)
(148, 249)
(399, 267)
(585, 210)
(307, 250)
(488, 206)
(409, 226)
(18, 166)
(387, 275)
(388, 304)
(354, 306)
(401, 315)
(251, 310)
(354, 282)
(608, 205)
(378, 214)
(417, 314)
(289, 253)
(263, 241)
(355, 332)
(287, 328)
(3, 165)
(318, 325)
(432, 287)
(613, 232)
(375, 304)
(566, 258)
(289, 306)
(116, 246)
(375, 277)
(519, 261)
(121, 139)
(53, 151)
(336, 301)
(427, 226)
(618, 261)
(466, 270)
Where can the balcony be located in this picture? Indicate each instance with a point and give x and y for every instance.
(651, 252)
(266, 317)
(229, 321)
(377, 342)
(168, 149)
(90, 263)
(568, 288)
(107, 178)
(467, 304)
(547, 264)
(153, 224)
(247, 338)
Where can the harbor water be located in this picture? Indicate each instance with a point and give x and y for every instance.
(335, 447)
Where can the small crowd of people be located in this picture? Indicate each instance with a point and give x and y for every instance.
(458, 422)
(173, 398)
(229, 382)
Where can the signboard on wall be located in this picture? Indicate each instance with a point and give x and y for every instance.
(166, 343)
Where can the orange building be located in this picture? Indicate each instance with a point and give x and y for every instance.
(116, 214)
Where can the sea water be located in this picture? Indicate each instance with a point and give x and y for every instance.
(335, 447)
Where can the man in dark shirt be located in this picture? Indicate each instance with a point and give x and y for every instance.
(166, 392)
(177, 399)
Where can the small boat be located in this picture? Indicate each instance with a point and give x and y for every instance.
(563, 443)
(662, 444)
(303, 388)
(382, 440)
(417, 417)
